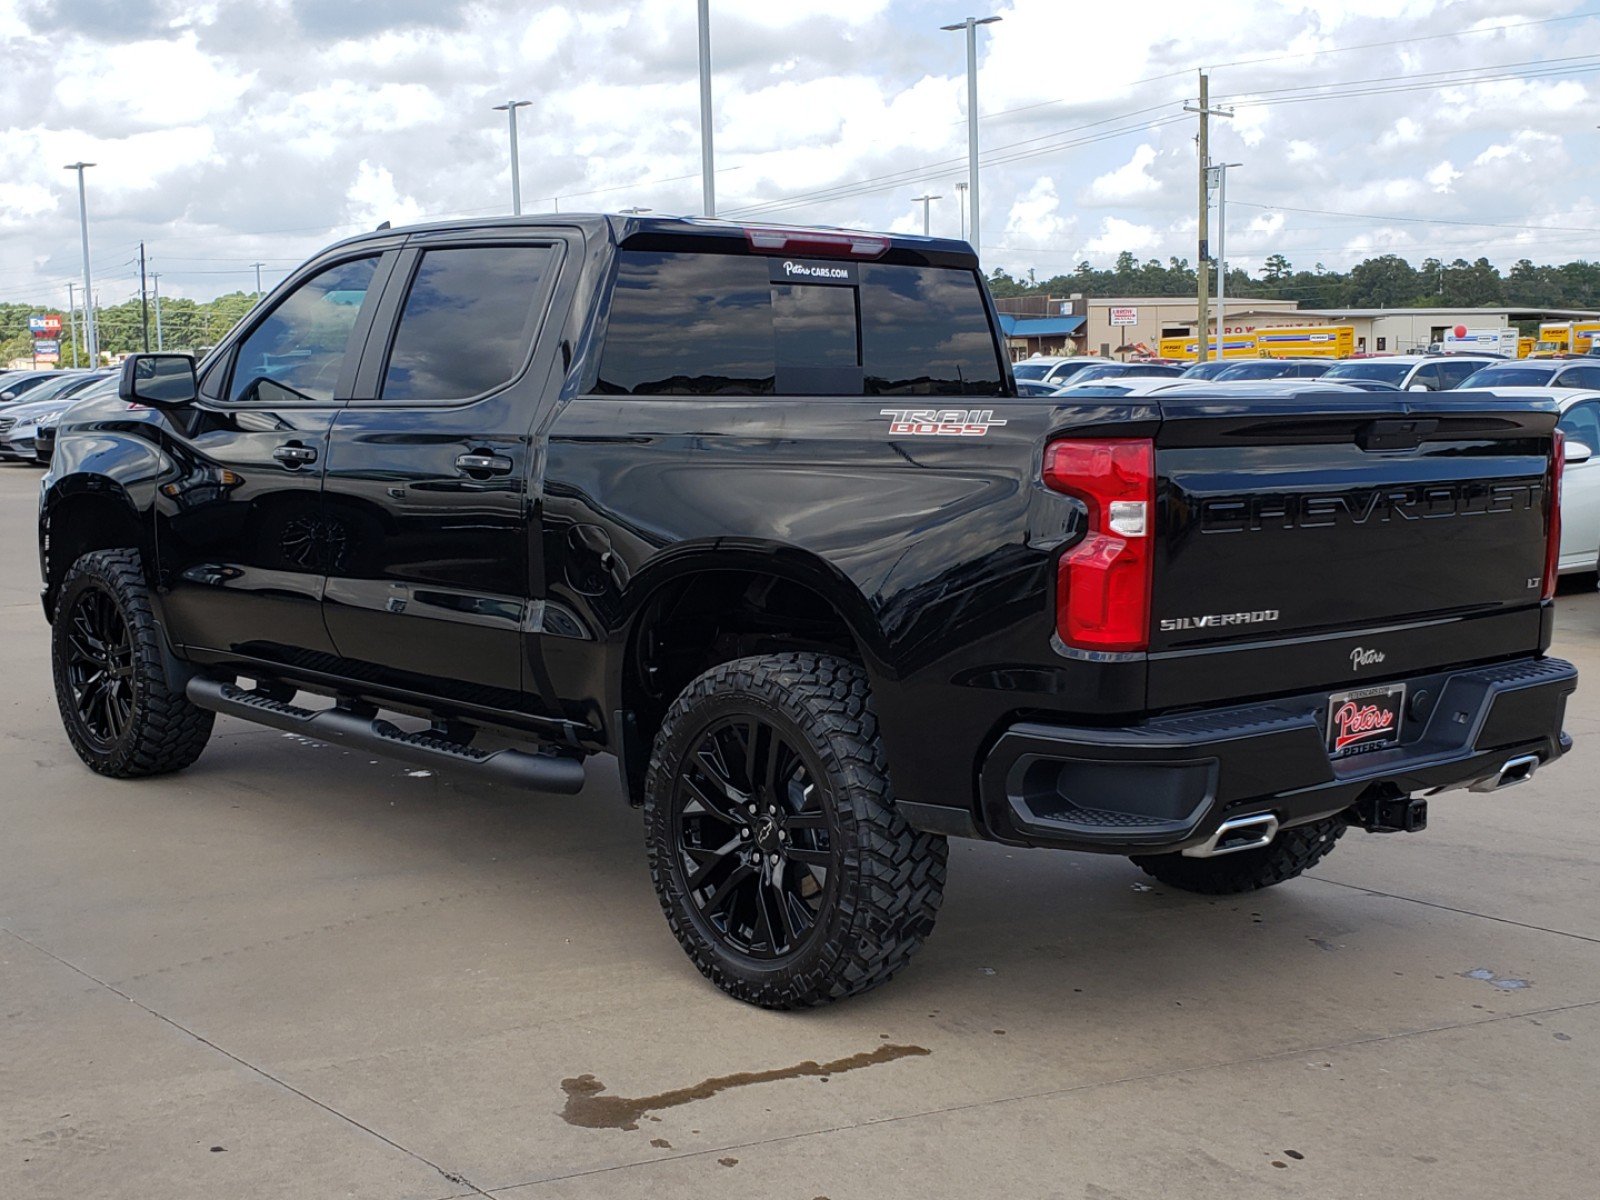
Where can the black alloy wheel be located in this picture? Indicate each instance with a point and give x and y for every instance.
(99, 666)
(751, 834)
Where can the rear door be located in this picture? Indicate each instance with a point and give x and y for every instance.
(1294, 532)
(429, 467)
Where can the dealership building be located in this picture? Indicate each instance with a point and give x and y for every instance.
(1129, 326)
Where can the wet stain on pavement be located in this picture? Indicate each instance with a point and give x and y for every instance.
(587, 1108)
(1504, 983)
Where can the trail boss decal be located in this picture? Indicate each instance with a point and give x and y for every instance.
(940, 422)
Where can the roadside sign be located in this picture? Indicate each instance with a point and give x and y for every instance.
(44, 346)
(1124, 316)
(47, 326)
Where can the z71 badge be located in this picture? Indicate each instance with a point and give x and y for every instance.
(940, 422)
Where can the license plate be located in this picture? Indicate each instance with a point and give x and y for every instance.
(1359, 722)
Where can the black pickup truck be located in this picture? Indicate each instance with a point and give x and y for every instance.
(759, 512)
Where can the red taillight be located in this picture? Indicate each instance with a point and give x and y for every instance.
(1552, 550)
(816, 243)
(1103, 582)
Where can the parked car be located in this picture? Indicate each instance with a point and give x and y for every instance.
(20, 383)
(759, 512)
(1119, 385)
(1546, 372)
(20, 422)
(1274, 368)
(1412, 372)
(1054, 370)
(1127, 370)
(1209, 369)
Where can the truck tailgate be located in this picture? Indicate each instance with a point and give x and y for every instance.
(1323, 539)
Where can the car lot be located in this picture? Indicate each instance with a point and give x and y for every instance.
(298, 971)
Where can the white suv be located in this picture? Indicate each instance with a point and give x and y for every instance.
(1412, 372)
(1056, 371)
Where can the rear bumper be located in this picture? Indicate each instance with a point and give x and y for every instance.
(1168, 784)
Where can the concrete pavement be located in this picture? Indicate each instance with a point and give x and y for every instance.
(297, 971)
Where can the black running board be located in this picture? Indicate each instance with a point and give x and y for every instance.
(541, 772)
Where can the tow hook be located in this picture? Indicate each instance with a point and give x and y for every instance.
(1391, 814)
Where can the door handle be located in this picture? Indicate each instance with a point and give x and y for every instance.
(295, 455)
(483, 464)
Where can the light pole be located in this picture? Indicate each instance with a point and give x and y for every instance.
(1219, 172)
(91, 340)
(72, 321)
(156, 276)
(971, 26)
(510, 109)
(925, 200)
(708, 183)
(961, 200)
(258, 267)
(634, 210)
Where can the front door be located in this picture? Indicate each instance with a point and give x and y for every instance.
(1580, 490)
(239, 534)
(429, 469)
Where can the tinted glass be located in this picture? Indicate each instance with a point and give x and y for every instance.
(1456, 372)
(703, 324)
(468, 322)
(1031, 370)
(1509, 377)
(1581, 423)
(925, 332)
(1068, 370)
(1579, 377)
(1254, 370)
(298, 351)
(1383, 372)
(1427, 376)
(689, 324)
(1312, 370)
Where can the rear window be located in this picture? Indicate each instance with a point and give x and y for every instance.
(742, 325)
(1509, 377)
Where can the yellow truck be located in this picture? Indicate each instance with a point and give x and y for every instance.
(1307, 341)
(1565, 337)
(1234, 345)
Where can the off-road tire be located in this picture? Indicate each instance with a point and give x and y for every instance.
(886, 879)
(164, 732)
(1291, 852)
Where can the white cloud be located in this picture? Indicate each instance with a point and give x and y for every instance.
(1128, 181)
(373, 199)
(1443, 177)
(1117, 235)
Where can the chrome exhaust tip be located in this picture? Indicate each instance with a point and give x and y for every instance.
(1236, 834)
(1512, 772)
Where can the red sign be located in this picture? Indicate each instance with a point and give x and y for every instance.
(47, 326)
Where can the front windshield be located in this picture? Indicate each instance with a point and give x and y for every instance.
(1208, 370)
(1031, 370)
(1100, 371)
(1252, 370)
(1383, 372)
(1509, 377)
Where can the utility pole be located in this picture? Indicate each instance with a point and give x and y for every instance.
(1203, 267)
(510, 109)
(961, 200)
(156, 276)
(72, 319)
(970, 25)
(258, 267)
(144, 305)
(708, 175)
(925, 200)
(90, 338)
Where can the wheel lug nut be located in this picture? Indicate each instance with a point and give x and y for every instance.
(751, 809)
(783, 835)
(744, 833)
(773, 860)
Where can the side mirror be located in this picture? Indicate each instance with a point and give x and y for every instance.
(160, 380)
(1577, 452)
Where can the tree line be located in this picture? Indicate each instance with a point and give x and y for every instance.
(185, 325)
(1387, 281)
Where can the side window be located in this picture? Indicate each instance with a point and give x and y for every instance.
(298, 351)
(468, 323)
(1579, 377)
(1455, 372)
(1426, 375)
(1581, 423)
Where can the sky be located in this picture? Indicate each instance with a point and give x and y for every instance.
(241, 131)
